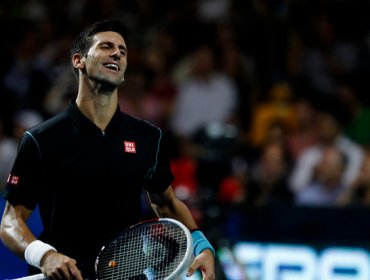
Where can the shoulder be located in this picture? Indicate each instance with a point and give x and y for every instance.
(53, 123)
(140, 125)
(45, 134)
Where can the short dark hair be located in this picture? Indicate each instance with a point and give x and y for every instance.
(83, 41)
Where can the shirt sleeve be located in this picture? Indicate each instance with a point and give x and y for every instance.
(21, 186)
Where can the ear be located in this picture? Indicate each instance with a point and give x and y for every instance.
(78, 61)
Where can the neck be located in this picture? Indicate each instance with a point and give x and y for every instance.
(98, 108)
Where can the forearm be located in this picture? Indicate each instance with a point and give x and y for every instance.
(14, 231)
(178, 210)
(168, 205)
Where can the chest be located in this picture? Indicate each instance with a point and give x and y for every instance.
(98, 159)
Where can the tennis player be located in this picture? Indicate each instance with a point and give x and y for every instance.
(86, 169)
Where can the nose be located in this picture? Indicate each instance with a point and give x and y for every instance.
(116, 53)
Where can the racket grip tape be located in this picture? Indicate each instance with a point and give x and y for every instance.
(200, 243)
(35, 251)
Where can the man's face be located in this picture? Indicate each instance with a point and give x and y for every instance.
(106, 60)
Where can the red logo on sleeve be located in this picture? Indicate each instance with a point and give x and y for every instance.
(13, 179)
(130, 147)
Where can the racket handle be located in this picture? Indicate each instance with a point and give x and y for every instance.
(40, 276)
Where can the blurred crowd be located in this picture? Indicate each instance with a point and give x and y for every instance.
(263, 102)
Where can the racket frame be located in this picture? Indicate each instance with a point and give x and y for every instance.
(181, 267)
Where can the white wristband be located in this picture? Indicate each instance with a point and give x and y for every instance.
(35, 251)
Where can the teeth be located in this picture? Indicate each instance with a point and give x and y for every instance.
(112, 66)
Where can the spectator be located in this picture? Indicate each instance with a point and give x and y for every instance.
(278, 108)
(358, 194)
(204, 96)
(303, 136)
(327, 185)
(329, 132)
(268, 176)
(327, 57)
(357, 110)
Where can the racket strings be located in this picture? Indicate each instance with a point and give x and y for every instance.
(151, 251)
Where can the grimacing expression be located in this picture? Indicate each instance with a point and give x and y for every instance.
(106, 60)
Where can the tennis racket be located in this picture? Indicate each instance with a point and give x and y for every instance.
(157, 249)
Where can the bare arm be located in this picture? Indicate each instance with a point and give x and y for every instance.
(16, 235)
(14, 232)
(168, 205)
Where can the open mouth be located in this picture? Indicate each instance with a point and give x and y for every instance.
(112, 66)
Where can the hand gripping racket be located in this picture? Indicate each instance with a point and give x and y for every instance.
(158, 249)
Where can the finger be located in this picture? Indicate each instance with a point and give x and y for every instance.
(207, 274)
(205, 270)
(75, 273)
(68, 270)
(56, 275)
(72, 267)
(192, 268)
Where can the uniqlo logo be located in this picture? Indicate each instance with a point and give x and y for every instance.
(12, 179)
(130, 147)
